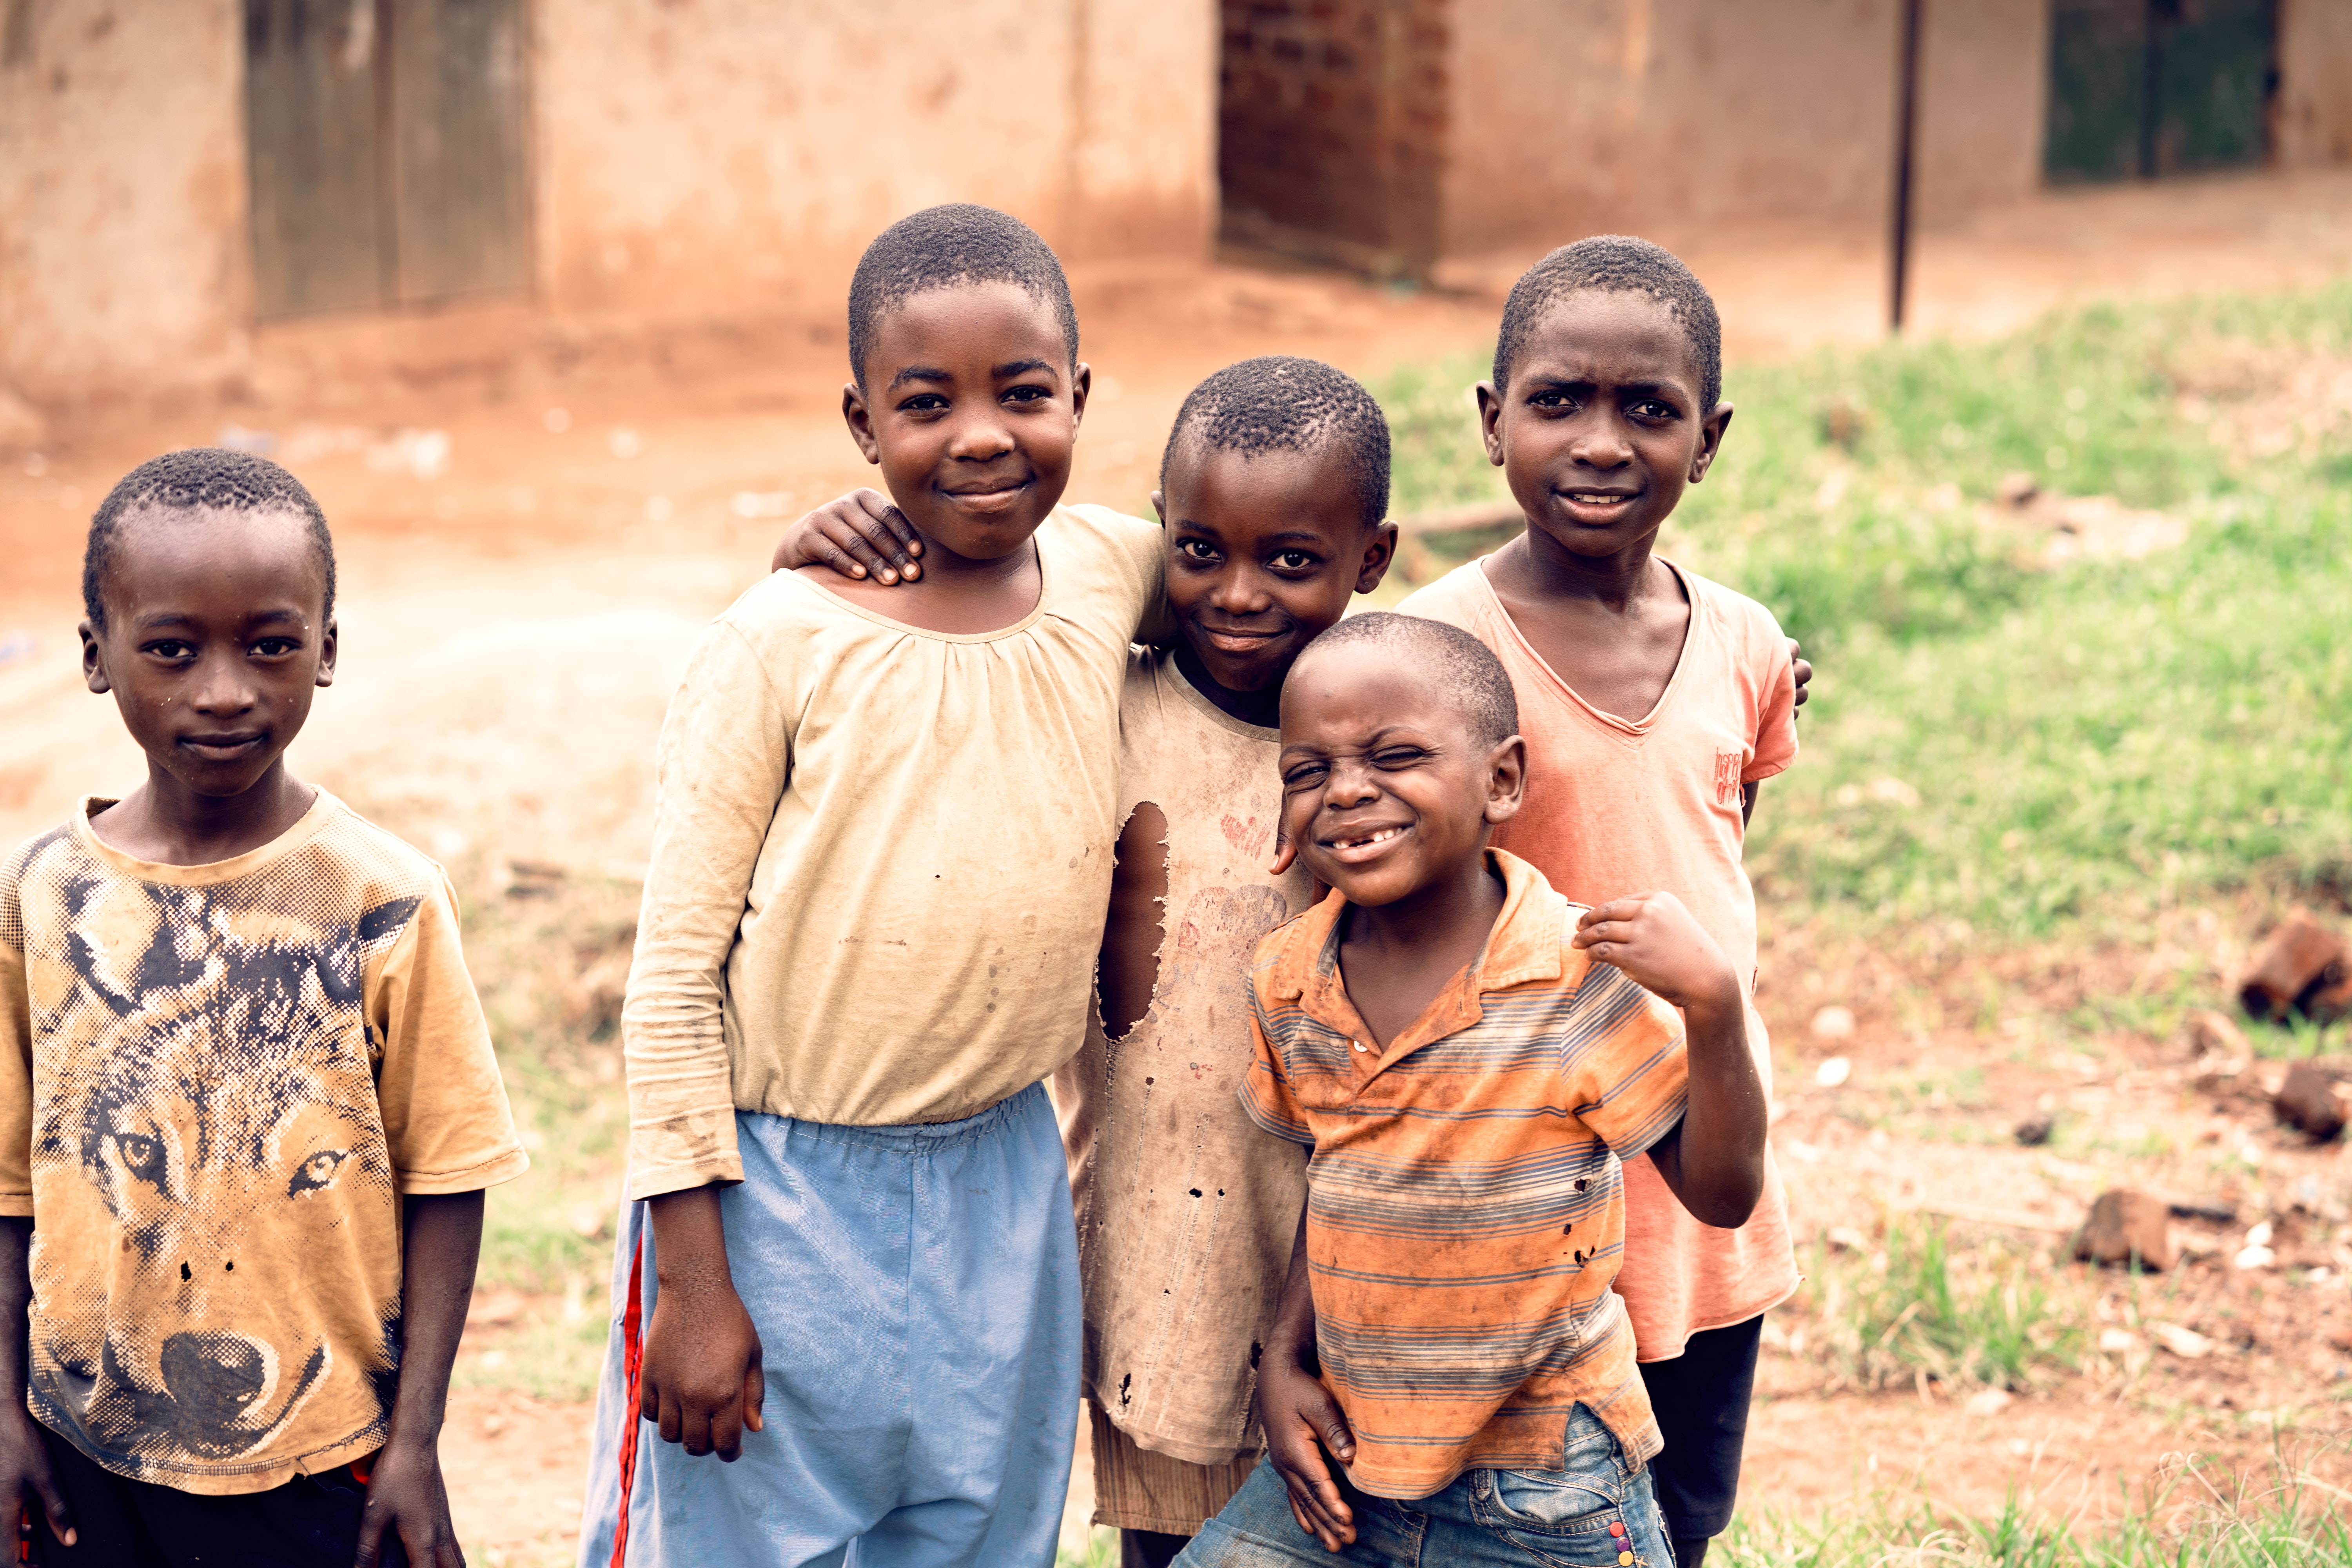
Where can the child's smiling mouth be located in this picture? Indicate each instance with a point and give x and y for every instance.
(992, 501)
(1355, 845)
(1236, 639)
(1598, 505)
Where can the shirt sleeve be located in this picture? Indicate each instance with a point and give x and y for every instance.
(446, 1116)
(724, 760)
(1265, 1092)
(1142, 546)
(16, 1061)
(1774, 746)
(1627, 1070)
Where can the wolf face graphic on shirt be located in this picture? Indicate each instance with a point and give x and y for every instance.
(216, 1244)
(228, 1129)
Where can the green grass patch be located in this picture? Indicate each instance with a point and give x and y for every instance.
(2193, 1519)
(1913, 1310)
(1993, 748)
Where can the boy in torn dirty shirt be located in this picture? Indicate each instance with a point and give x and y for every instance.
(1274, 495)
(247, 1099)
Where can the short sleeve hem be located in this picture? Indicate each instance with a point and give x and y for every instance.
(16, 1206)
(664, 1180)
(501, 1167)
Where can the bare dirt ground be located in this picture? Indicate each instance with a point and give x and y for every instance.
(515, 614)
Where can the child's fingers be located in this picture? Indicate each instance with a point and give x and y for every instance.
(1624, 909)
(371, 1543)
(727, 1431)
(755, 1391)
(888, 528)
(1594, 936)
(53, 1503)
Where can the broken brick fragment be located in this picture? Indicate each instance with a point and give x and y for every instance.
(2308, 1100)
(2125, 1225)
(2301, 961)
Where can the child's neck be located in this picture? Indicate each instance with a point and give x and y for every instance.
(1261, 708)
(1541, 566)
(1395, 958)
(167, 823)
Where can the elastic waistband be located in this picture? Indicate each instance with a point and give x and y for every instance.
(912, 1138)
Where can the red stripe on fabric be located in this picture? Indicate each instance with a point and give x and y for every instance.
(631, 1358)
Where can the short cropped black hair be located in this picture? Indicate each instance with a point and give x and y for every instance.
(1473, 678)
(1283, 402)
(207, 476)
(1616, 263)
(941, 246)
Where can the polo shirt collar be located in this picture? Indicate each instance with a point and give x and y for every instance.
(1524, 945)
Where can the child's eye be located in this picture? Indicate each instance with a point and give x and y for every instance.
(1293, 561)
(923, 403)
(1028, 393)
(1397, 756)
(1198, 549)
(1551, 397)
(171, 649)
(276, 647)
(1651, 408)
(1304, 773)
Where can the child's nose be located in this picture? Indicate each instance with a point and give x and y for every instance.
(981, 434)
(222, 686)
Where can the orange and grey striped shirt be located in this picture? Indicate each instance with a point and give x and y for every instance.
(1464, 1211)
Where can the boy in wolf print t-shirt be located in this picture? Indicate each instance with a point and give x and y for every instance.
(248, 1101)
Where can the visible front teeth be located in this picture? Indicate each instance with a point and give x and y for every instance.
(1588, 498)
(1383, 836)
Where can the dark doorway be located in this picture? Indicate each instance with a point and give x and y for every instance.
(385, 139)
(2140, 89)
(1330, 115)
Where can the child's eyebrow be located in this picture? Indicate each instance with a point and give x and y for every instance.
(918, 373)
(1022, 367)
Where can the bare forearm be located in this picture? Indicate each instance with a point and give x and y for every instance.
(445, 1244)
(16, 1306)
(1715, 1161)
(1294, 1317)
(690, 1242)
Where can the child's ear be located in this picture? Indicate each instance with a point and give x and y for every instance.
(860, 420)
(1379, 550)
(1710, 441)
(1507, 780)
(1160, 506)
(1490, 421)
(93, 661)
(1082, 386)
(327, 641)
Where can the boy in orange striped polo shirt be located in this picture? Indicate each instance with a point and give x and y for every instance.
(1470, 1057)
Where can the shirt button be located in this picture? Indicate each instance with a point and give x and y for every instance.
(1616, 1529)
(1624, 1559)
(1358, 1044)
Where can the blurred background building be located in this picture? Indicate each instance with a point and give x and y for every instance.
(180, 177)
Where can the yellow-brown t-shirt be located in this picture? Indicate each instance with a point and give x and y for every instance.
(217, 1083)
(1464, 1210)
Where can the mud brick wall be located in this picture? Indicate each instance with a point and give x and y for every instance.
(1332, 126)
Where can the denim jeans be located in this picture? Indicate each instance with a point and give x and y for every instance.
(1596, 1510)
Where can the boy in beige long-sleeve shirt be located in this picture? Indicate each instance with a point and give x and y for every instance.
(884, 825)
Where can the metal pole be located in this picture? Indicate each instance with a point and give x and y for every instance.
(1907, 114)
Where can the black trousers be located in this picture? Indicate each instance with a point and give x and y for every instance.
(311, 1521)
(1701, 1398)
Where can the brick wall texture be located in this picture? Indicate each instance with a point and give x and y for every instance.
(1331, 126)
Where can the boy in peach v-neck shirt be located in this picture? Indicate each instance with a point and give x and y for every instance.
(1654, 703)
